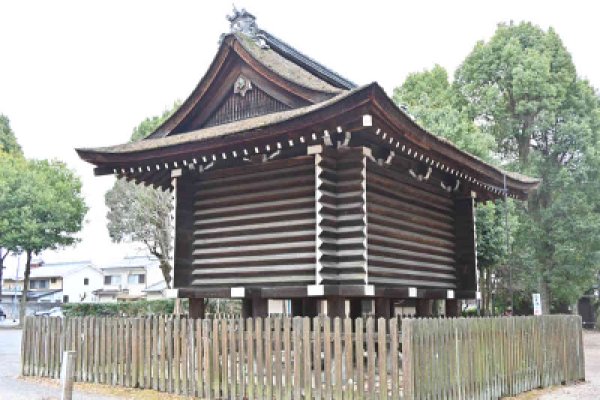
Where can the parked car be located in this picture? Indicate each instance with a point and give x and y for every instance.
(53, 312)
(2, 315)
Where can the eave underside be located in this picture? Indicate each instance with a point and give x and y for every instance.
(380, 137)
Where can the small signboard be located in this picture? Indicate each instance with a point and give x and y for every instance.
(537, 304)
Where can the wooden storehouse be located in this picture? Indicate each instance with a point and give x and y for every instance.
(292, 182)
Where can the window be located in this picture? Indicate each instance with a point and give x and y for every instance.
(136, 279)
(112, 279)
(52, 280)
(39, 284)
(65, 299)
(86, 281)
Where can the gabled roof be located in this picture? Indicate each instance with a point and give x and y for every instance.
(318, 101)
(132, 262)
(306, 62)
(60, 270)
(296, 79)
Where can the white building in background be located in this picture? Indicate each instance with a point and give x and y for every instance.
(65, 282)
(129, 278)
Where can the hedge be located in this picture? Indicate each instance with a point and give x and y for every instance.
(141, 308)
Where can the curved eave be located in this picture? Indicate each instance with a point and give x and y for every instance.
(367, 99)
(429, 141)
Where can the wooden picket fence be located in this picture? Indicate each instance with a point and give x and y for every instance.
(489, 358)
(302, 358)
(272, 358)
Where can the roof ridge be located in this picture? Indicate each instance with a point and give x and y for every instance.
(296, 56)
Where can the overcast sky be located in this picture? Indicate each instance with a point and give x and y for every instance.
(85, 73)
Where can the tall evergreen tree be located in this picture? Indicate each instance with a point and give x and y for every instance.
(8, 145)
(42, 208)
(522, 87)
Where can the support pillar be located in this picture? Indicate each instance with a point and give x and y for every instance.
(355, 308)
(424, 308)
(310, 307)
(246, 308)
(383, 307)
(453, 308)
(196, 308)
(336, 307)
(260, 308)
(297, 308)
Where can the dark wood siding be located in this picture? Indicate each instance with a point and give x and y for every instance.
(184, 230)
(411, 232)
(255, 225)
(466, 253)
(343, 217)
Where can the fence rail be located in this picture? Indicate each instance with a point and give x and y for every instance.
(301, 358)
(273, 358)
(488, 358)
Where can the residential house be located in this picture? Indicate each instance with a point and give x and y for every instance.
(67, 282)
(51, 284)
(128, 278)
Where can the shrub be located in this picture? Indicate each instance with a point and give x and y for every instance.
(137, 308)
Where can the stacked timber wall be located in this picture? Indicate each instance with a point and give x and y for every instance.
(300, 358)
(255, 226)
(332, 217)
(411, 240)
(342, 214)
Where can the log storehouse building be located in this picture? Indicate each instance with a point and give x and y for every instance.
(291, 182)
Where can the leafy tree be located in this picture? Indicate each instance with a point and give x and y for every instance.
(436, 105)
(429, 97)
(8, 141)
(143, 214)
(9, 145)
(522, 88)
(41, 208)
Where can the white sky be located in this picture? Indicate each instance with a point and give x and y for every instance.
(85, 73)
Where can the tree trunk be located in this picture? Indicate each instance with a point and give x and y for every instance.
(165, 267)
(23, 305)
(2, 257)
(545, 295)
(483, 290)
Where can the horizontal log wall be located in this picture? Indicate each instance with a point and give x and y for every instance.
(255, 225)
(411, 232)
(342, 217)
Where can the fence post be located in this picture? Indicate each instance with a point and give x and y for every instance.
(407, 358)
(67, 375)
